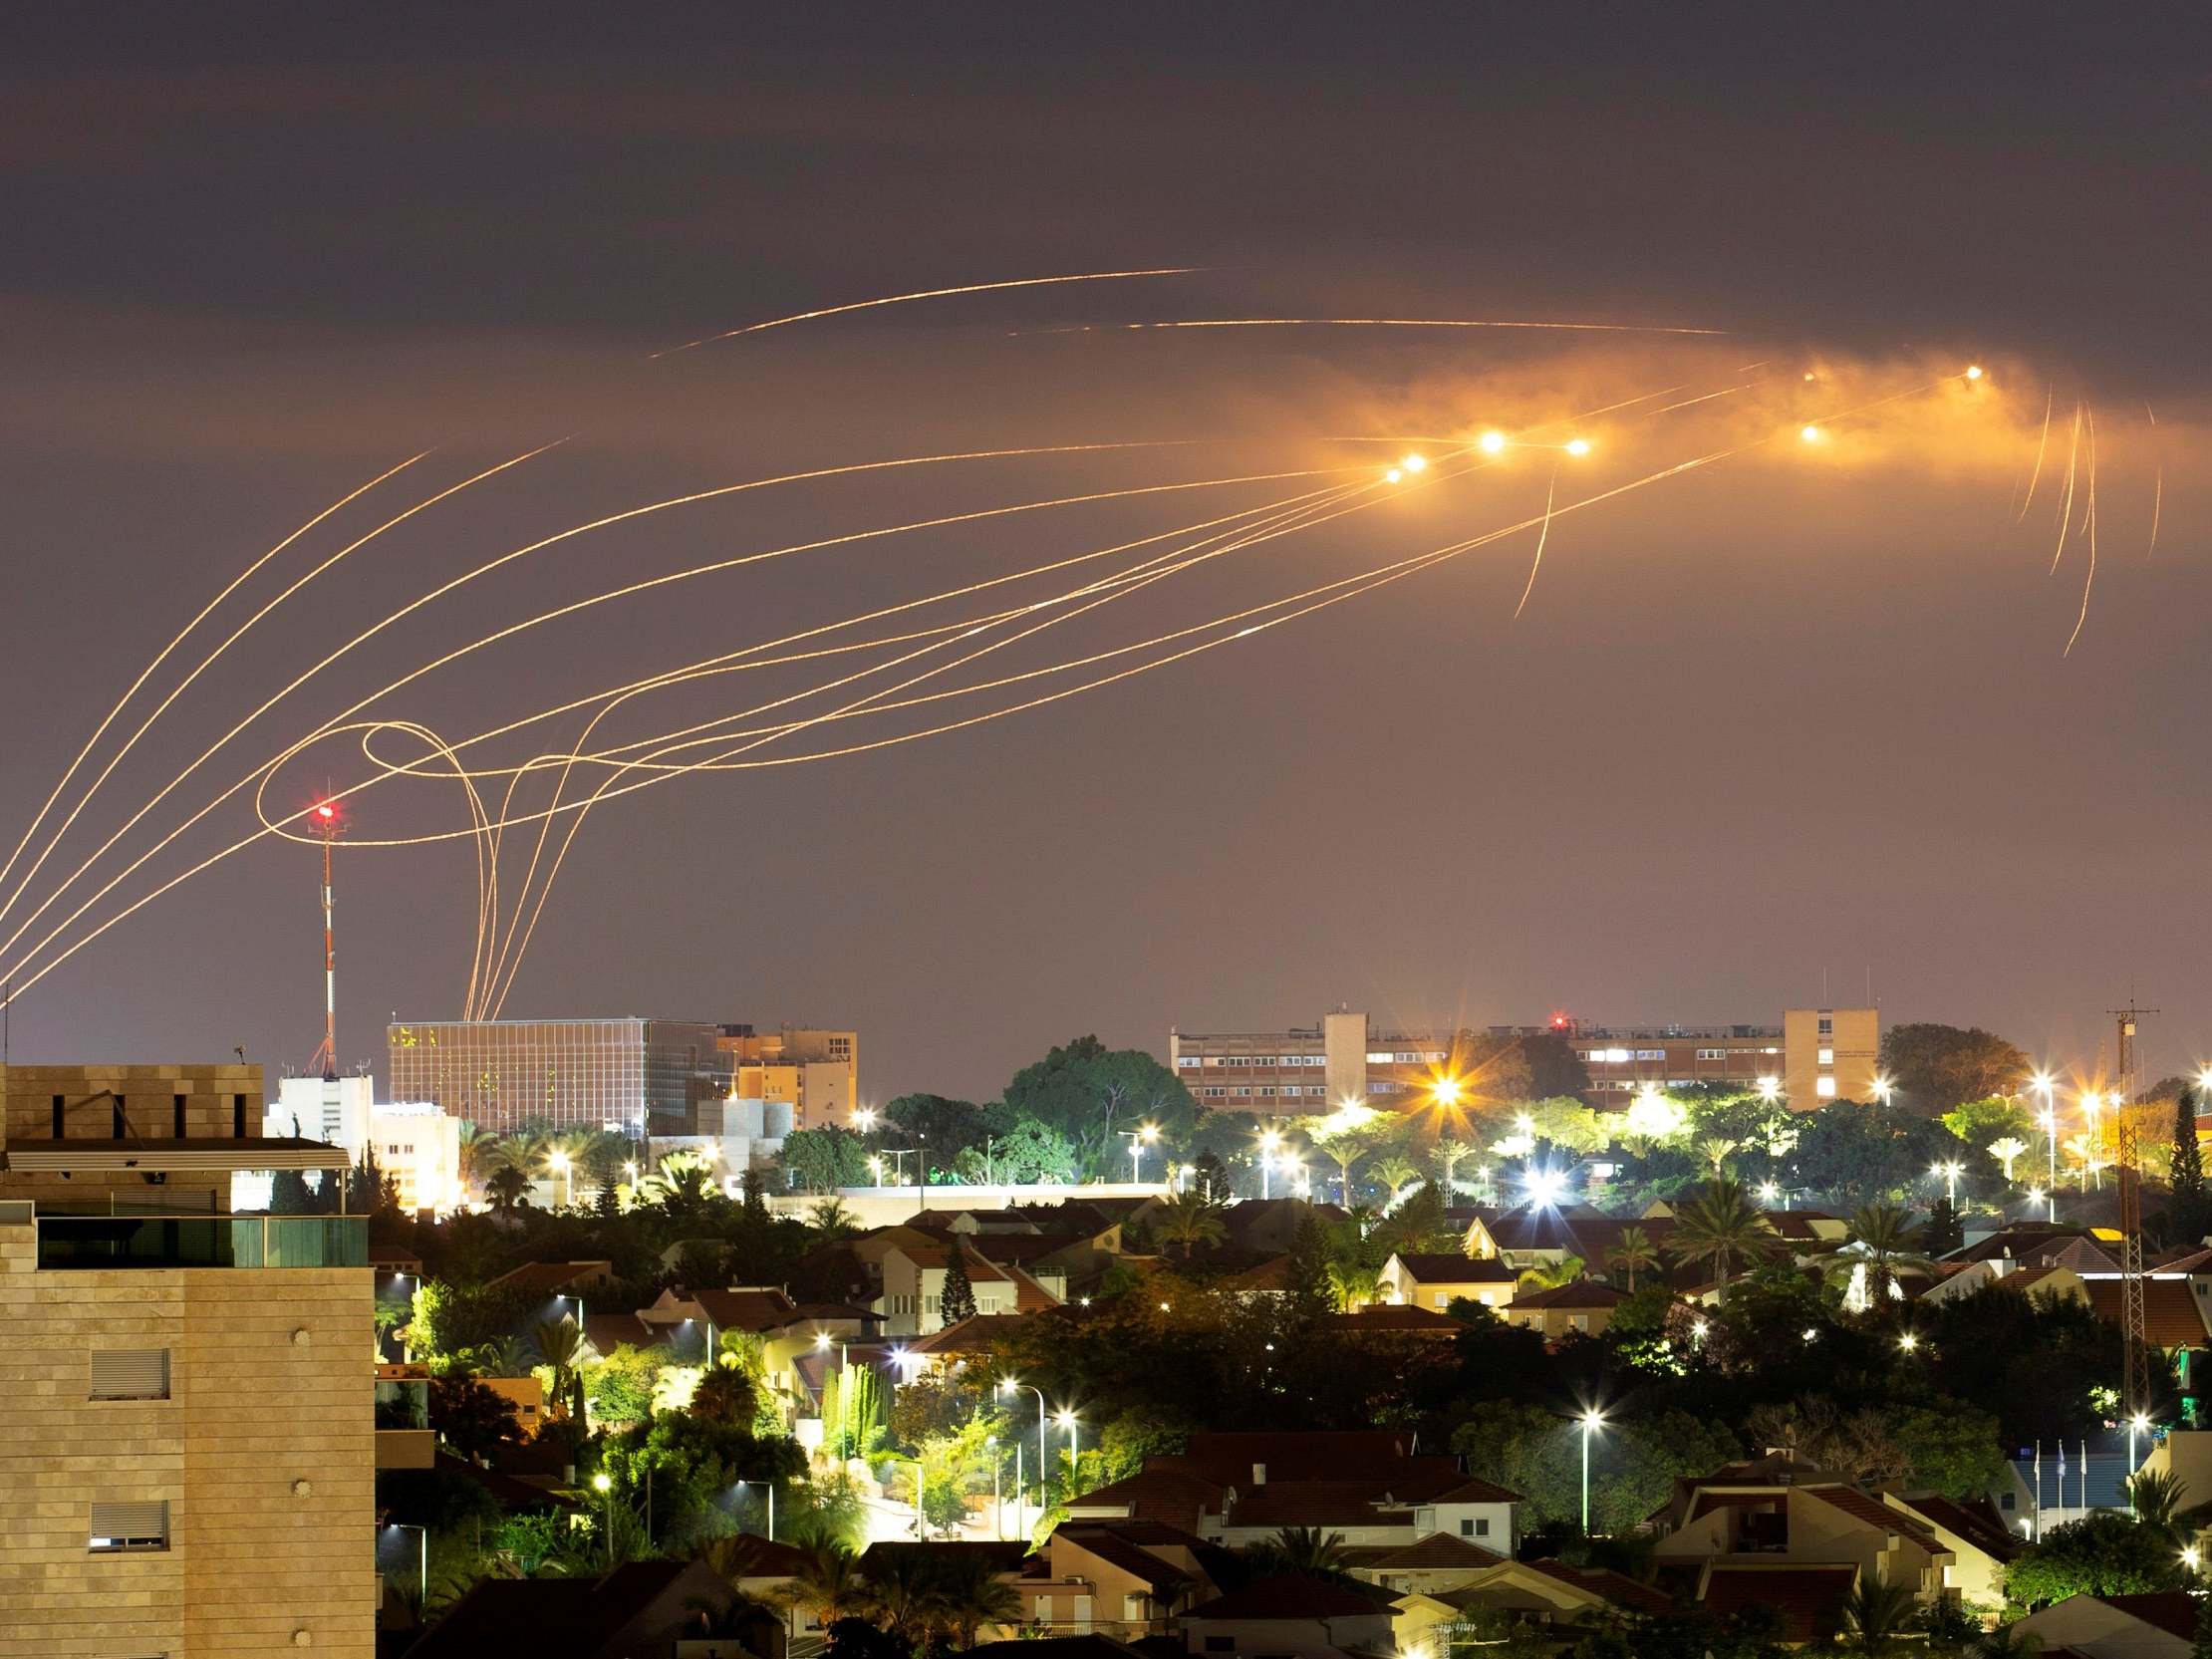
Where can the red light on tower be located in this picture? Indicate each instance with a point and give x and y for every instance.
(326, 811)
(1558, 1022)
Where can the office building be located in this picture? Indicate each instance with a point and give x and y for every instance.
(812, 1072)
(188, 1431)
(500, 1074)
(1304, 1071)
(1830, 1054)
(1622, 1060)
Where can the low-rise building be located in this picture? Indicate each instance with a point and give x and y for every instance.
(1583, 1308)
(1126, 1580)
(912, 1299)
(2158, 1625)
(1293, 1616)
(1435, 1281)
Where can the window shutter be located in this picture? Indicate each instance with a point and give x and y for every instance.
(130, 1525)
(131, 1374)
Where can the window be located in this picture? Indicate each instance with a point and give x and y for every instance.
(1827, 1056)
(176, 1110)
(1827, 1027)
(1466, 1527)
(237, 1117)
(1824, 1087)
(2004, 1500)
(130, 1374)
(61, 1107)
(119, 1124)
(1186, 1061)
(1651, 1053)
(121, 1527)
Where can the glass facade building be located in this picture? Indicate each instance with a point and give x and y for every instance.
(566, 1073)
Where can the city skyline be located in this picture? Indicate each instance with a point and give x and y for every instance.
(1804, 715)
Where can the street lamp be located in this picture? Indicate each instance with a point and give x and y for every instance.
(559, 1160)
(1445, 1091)
(2036, 1196)
(604, 1484)
(423, 1556)
(866, 1118)
(1769, 1089)
(874, 1168)
(2137, 1425)
(2041, 1083)
(1908, 1342)
(1883, 1088)
(997, 1502)
(1066, 1419)
(1592, 1421)
(1269, 1142)
(1044, 1458)
(1140, 1138)
(769, 1486)
(1948, 1173)
(1769, 1192)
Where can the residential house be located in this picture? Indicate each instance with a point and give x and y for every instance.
(912, 1299)
(796, 1338)
(2159, 1625)
(1583, 1308)
(1436, 1280)
(1270, 1225)
(952, 1346)
(1981, 1544)
(2041, 1283)
(1552, 1592)
(1290, 1618)
(563, 1283)
(1432, 1567)
(641, 1610)
(1761, 1513)
(1126, 1579)
(1384, 1320)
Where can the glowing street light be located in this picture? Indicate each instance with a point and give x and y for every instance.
(559, 1161)
(1140, 1138)
(1269, 1141)
(1769, 1089)
(1883, 1089)
(874, 1167)
(1492, 443)
(2137, 1425)
(864, 1118)
(1445, 1091)
(1415, 463)
(2041, 1084)
(1973, 370)
(1908, 1342)
(1591, 1423)
(1578, 447)
(1810, 434)
(604, 1484)
(1948, 1173)
(1009, 1387)
(1769, 1192)
(1067, 1421)
(1544, 1186)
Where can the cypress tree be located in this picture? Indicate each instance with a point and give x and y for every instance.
(2187, 1219)
(958, 1302)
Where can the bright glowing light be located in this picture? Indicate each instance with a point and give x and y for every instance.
(1392, 475)
(1769, 1192)
(1698, 1330)
(1973, 370)
(1524, 1123)
(1149, 1133)
(1578, 447)
(2189, 1557)
(2204, 1080)
(2034, 1195)
(1491, 444)
(1445, 1091)
(1812, 435)
(1908, 1342)
(1883, 1089)
(1592, 1418)
(1269, 1140)
(2042, 1082)
(1651, 1116)
(326, 811)
(1769, 1089)
(821, 1339)
(1544, 1186)
(2139, 1422)
(1064, 1417)
(864, 1118)
(603, 1481)
(1811, 1334)
(1415, 463)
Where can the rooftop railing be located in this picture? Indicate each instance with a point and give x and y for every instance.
(143, 1242)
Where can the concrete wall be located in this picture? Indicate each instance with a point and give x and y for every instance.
(254, 1408)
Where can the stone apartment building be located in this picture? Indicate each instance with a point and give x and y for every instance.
(188, 1439)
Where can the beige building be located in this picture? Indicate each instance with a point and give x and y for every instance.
(1830, 1054)
(1304, 1071)
(187, 1440)
(813, 1072)
(415, 1142)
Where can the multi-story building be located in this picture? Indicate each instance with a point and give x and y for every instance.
(187, 1426)
(1304, 1071)
(1624, 1059)
(413, 1142)
(566, 1073)
(813, 1072)
(1830, 1054)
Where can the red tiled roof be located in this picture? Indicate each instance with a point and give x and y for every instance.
(1317, 1503)
(1616, 1588)
(1288, 1595)
(547, 1278)
(2171, 1319)
(1977, 1525)
(1179, 1498)
(1029, 1295)
(1391, 1319)
(2173, 1611)
(1805, 1596)
(1341, 1453)
(1440, 1267)
(1271, 1274)
(1470, 1491)
(1875, 1512)
(1438, 1550)
(1108, 1545)
(971, 1335)
(1581, 1294)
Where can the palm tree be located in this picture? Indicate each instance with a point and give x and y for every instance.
(971, 1594)
(2006, 1150)
(831, 1221)
(2155, 1496)
(1632, 1254)
(1310, 1552)
(1714, 1150)
(1352, 1284)
(903, 1592)
(1876, 1614)
(827, 1585)
(1189, 1220)
(1395, 1173)
(560, 1345)
(1552, 1274)
(1719, 1229)
(502, 1356)
(506, 1186)
(475, 1144)
(1886, 1242)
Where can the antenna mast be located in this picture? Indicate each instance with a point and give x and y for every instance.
(2134, 1339)
(327, 1056)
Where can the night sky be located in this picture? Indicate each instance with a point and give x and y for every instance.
(1803, 711)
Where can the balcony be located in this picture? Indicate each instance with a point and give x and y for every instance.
(156, 1242)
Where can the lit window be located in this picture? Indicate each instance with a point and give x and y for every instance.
(1827, 1056)
(1824, 1088)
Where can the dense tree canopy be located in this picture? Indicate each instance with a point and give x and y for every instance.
(1936, 1067)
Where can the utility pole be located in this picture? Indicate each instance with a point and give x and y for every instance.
(326, 814)
(2134, 1342)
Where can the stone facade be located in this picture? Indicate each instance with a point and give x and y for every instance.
(264, 1453)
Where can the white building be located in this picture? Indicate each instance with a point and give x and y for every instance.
(415, 1143)
(735, 1134)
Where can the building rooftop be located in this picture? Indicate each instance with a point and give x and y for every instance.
(1287, 1596)
(1806, 1597)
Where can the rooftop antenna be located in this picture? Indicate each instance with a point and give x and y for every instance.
(326, 1057)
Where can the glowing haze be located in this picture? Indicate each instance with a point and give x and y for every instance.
(1457, 673)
